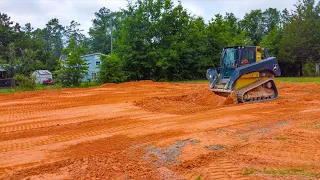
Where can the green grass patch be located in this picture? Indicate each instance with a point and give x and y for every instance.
(192, 81)
(7, 90)
(300, 172)
(40, 87)
(299, 79)
(248, 171)
(281, 138)
(291, 172)
(280, 79)
(89, 84)
(48, 87)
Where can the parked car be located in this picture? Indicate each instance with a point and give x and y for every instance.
(48, 81)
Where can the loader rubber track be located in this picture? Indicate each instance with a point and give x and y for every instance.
(241, 92)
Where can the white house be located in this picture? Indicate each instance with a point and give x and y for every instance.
(42, 75)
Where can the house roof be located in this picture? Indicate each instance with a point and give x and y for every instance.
(91, 54)
(43, 72)
(63, 57)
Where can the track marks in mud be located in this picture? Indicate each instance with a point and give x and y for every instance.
(302, 145)
(219, 168)
(111, 157)
(69, 134)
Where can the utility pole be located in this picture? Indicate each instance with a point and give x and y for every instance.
(111, 28)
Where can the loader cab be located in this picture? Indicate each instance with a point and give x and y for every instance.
(234, 57)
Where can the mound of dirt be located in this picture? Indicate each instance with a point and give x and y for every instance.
(189, 103)
(130, 83)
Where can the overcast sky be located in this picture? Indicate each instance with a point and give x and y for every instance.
(39, 12)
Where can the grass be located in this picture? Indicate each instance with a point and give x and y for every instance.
(300, 172)
(89, 84)
(280, 79)
(291, 172)
(40, 87)
(192, 81)
(299, 79)
(7, 90)
(281, 138)
(248, 171)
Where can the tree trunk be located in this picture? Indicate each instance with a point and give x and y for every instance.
(317, 67)
(300, 69)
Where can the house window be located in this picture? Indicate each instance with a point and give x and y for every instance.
(94, 76)
(97, 62)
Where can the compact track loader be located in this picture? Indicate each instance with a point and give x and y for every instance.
(246, 72)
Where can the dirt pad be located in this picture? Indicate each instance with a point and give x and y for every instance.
(148, 130)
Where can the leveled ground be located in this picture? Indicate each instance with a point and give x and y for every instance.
(146, 130)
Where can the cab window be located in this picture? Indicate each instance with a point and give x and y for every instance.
(248, 56)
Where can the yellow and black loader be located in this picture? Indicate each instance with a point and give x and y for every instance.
(246, 71)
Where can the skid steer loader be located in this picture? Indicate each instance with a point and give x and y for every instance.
(247, 72)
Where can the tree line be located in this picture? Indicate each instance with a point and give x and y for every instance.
(158, 40)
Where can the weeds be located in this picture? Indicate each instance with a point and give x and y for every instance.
(300, 172)
(291, 172)
(315, 125)
(248, 171)
(299, 79)
(25, 83)
(281, 138)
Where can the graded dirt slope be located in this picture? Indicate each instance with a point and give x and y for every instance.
(147, 130)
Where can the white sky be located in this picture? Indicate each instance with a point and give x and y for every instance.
(39, 12)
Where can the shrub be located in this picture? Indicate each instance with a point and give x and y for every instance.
(309, 69)
(111, 69)
(25, 83)
(74, 68)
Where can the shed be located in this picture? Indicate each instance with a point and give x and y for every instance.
(42, 75)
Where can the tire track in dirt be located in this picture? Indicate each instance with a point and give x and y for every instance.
(72, 115)
(5, 147)
(287, 147)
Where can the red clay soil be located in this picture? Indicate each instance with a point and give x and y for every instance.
(147, 130)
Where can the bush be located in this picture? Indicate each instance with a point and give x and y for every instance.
(111, 69)
(25, 83)
(74, 68)
(88, 84)
(309, 69)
